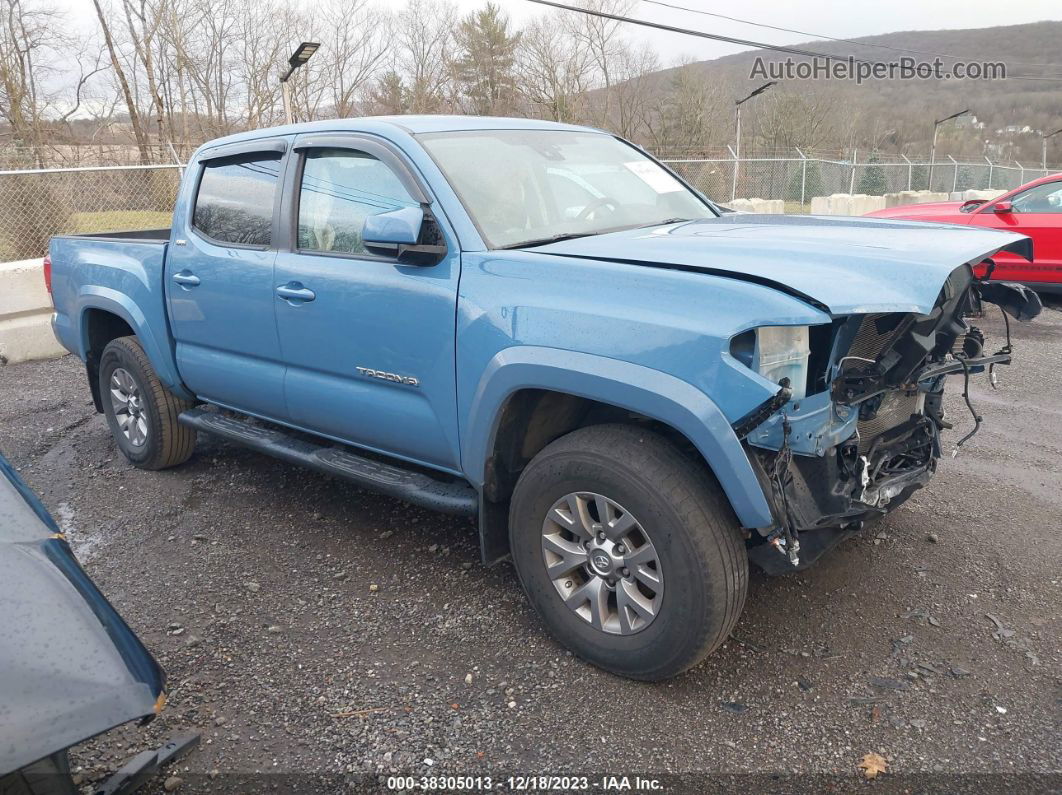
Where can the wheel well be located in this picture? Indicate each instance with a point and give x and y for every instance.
(101, 327)
(530, 420)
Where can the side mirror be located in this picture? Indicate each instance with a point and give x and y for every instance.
(398, 233)
(1003, 207)
(393, 228)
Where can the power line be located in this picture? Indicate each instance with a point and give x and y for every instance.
(735, 40)
(823, 36)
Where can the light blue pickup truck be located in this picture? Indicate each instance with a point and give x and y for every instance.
(542, 326)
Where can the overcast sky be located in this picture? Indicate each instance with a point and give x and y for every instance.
(838, 18)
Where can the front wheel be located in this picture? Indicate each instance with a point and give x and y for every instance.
(628, 550)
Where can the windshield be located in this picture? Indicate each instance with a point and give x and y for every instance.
(531, 186)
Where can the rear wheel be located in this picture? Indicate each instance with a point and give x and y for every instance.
(628, 550)
(141, 412)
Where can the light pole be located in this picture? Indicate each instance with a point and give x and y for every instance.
(737, 133)
(1043, 147)
(933, 150)
(297, 59)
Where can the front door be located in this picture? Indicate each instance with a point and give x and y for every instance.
(1036, 212)
(368, 341)
(219, 283)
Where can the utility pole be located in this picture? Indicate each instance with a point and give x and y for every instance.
(737, 133)
(933, 150)
(299, 58)
(1043, 148)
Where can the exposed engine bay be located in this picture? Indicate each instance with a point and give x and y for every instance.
(863, 431)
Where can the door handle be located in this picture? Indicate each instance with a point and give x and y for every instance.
(294, 291)
(186, 279)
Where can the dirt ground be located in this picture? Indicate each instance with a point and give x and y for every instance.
(932, 639)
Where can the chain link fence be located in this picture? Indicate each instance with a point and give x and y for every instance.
(796, 180)
(37, 203)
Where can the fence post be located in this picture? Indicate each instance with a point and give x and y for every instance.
(803, 175)
(955, 175)
(910, 171)
(733, 181)
(177, 160)
(991, 167)
(1021, 177)
(851, 179)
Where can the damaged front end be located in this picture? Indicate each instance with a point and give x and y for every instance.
(855, 427)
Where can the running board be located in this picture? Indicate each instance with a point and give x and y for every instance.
(454, 497)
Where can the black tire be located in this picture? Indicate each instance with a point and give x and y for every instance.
(167, 442)
(49, 776)
(685, 515)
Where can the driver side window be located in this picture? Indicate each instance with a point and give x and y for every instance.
(1046, 198)
(340, 189)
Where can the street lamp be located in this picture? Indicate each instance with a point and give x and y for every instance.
(1043, 147)
(301, 55)
(737, 132)
(933, 151)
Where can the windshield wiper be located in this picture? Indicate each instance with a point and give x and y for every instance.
(665, 222)
(543, 241)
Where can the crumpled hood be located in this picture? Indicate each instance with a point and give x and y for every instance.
(70, 667)
(848, 265)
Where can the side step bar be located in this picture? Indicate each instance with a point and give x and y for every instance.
(412, 486)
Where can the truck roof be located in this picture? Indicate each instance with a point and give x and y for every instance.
(411, 125)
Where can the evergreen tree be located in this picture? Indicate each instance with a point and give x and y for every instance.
(484, 68)
(812, 182)
(873, 182)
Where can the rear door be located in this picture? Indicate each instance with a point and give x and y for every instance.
(1036, 212)
(220, 279)
(368, 340)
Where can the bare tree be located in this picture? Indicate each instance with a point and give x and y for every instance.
(120, 74)
(354, 43)
(635, 93)
(603, 41)
(423, 43)
(689, 114)
(786, 118)
(553, 68)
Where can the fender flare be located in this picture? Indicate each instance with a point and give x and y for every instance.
(649, 392)
(159, 352)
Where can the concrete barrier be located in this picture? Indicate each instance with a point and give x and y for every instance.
(846, 204)
(968, 195)
(760, 206)
(915, 197)
(25, 314)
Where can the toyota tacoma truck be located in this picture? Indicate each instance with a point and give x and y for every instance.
(541, 326)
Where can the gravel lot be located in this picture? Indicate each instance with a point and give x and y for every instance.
(308, 627)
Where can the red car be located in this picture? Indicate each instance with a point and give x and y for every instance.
(1034, 209)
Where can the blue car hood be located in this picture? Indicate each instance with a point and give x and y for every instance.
(847, 265)
(70, 667)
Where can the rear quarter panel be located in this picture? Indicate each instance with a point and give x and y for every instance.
(123, 277)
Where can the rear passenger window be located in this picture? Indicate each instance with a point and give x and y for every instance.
(235, 199)
(340, 189)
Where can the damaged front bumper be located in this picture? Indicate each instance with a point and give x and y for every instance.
(871, 437)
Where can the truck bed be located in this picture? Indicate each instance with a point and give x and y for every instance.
(137, 235)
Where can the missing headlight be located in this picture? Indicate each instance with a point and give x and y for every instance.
(776, 352)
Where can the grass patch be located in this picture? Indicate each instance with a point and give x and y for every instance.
(119, 221)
